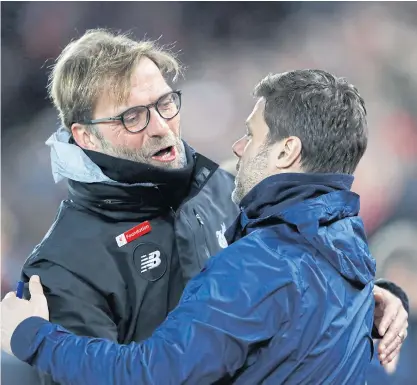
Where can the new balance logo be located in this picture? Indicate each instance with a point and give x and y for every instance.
(150, 261)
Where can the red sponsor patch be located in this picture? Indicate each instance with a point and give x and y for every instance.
(134, 233)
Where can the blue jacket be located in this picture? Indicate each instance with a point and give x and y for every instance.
(288, 302)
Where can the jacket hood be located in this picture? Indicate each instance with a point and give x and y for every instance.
(118, 187)
(73, 163)
(69, 161)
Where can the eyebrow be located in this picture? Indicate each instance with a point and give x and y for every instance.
(143, 105)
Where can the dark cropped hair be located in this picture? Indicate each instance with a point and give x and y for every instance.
(325, 112)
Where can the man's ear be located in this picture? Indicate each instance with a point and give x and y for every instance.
(288, 152)
(83, 137)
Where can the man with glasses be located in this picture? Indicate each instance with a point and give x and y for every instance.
(143, 207)
(144, 211)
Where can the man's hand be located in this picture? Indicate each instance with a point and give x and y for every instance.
(391, 320)
(15, 310)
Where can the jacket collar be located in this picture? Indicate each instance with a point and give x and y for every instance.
(141, 190)
(290, 198)
(303, 208)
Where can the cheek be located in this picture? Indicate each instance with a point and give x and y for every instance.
(271, 162)
(174, 125)
(122, 138)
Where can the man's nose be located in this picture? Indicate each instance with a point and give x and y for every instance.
(239, 147)
(158, 126)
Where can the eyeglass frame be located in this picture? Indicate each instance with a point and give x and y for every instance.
(148, 115)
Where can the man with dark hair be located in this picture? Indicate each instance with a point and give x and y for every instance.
(289, 301)
(325, 115)
(316, 105)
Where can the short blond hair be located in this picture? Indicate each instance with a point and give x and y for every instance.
(97, 62)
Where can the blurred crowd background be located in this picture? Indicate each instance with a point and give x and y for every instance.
(227, 48)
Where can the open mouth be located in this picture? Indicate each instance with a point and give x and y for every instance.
(167, 154)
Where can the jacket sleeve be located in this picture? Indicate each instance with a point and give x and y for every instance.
(73, 303)
(207, 337)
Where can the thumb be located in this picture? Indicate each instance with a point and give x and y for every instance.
(35, 287)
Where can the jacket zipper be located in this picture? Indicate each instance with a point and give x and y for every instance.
(201, 224)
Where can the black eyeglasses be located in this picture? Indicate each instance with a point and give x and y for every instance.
(137, 118)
